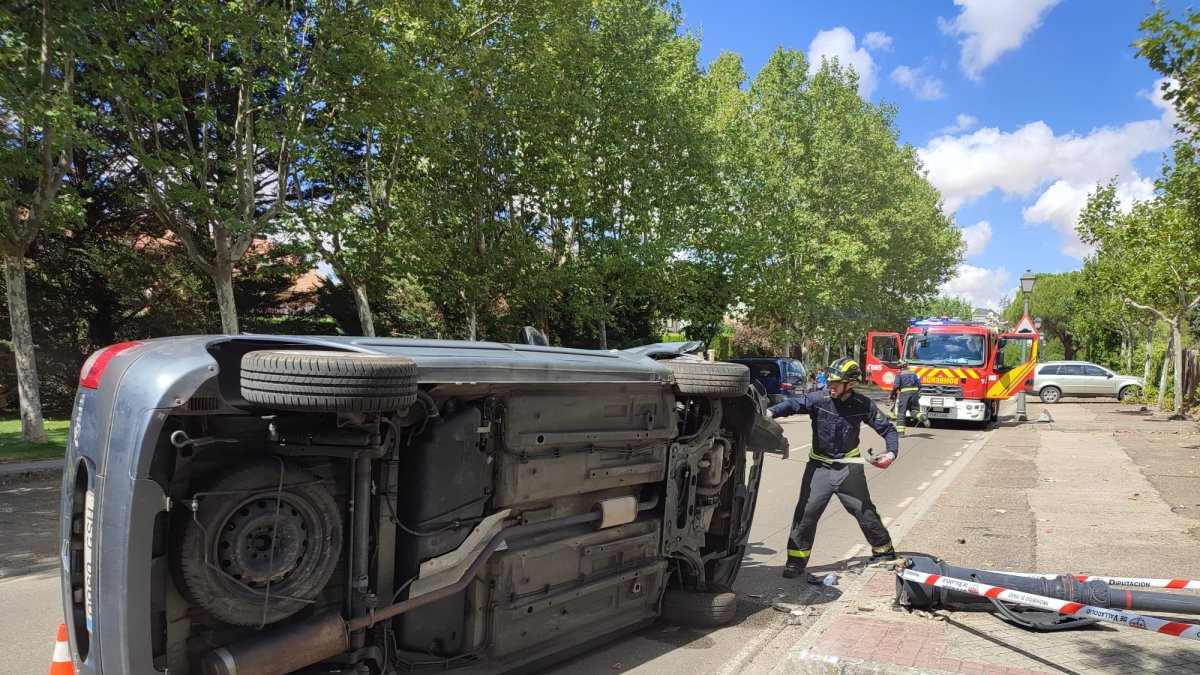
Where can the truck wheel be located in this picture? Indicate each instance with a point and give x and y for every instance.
(1050, 394)
(707, 378)
(703, 610)
(319, 381)
(253, 554)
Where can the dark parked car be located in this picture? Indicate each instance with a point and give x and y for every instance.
(780, 377)
(262, 504)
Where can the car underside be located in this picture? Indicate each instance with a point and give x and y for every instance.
(276, 505)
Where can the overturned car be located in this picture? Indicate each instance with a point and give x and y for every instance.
(261, 504)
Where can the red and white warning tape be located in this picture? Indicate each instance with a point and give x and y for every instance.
(1142, 583)
(1133, 582)
(1061, 606)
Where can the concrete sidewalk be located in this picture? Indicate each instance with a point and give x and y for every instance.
(1103, 489)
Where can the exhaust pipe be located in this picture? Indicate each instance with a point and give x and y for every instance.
(325, 636)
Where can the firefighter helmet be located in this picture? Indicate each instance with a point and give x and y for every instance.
(842, 370)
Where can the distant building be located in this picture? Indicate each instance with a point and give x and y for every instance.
(988, 317)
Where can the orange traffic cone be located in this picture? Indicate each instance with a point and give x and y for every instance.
(60, 663)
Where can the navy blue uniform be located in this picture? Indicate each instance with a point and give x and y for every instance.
(835, 426)
(907, 392)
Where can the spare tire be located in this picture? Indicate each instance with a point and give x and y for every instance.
(707, 378)
(717, 607)
(318, 381)
(261, 545)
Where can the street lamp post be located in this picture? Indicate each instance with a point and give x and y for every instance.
(1028, 280)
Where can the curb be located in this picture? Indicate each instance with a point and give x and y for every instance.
(30, 470)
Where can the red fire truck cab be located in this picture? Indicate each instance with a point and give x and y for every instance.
(966, 369)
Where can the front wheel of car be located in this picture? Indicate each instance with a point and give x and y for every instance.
(716, 607)
(706, 378)
(1127, 393)
(1050, 394)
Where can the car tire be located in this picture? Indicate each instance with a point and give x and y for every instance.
(1127, 392)
(218, 550)
(1050, 395)
(320, 381)
(706, 378)
(716, 607)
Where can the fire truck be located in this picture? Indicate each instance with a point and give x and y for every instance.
(966, 368)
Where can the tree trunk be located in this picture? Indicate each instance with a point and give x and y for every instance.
(1130, 342)
(603, 329)
(363, 305)
(223, 280)
(826, 352)
(1166, 369)
(842, 353)
(1177, 342)
(857, 352)
(472, 321)
(1068, 347)
(1149, 346)
(33, 430)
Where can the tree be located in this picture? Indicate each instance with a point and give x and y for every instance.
(943, 305)
(39, 131)
(363, 197)
(1153, 247)
(214, 95)
(1053, 300)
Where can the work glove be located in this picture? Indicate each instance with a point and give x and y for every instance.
(883, 461)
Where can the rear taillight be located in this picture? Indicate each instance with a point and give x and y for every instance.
(784, 386)
(93, 368)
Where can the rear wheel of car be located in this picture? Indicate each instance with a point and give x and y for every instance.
(1127, 393)
(709, 379)
(1050, 394)
(260, 545)
(318, 381)
(717, 607)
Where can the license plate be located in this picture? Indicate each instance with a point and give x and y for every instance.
(939, 415)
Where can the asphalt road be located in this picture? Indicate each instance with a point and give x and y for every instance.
(30, 608)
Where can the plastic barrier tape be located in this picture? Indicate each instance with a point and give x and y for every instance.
(1142, 583)
(1061, 606)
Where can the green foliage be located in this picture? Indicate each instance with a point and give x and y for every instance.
(1055, 301)
(946, 306)
(12, 448)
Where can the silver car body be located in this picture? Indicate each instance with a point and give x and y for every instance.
(507, 410)
(1055, 379)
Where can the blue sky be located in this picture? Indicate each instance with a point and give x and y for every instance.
(1018, 107)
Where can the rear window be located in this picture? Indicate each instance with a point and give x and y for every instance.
(795, 371)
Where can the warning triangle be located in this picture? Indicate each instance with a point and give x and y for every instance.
(1025, 325)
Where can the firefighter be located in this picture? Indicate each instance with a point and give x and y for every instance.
(906, 397)
(837, 414)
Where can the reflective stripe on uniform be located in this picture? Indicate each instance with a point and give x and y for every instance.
(812, 454)
(878, 549)
(910, 389)
(793, 553)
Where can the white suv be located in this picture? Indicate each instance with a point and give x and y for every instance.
(1054, 379)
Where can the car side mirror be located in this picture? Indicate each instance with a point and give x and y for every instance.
(1109, 375)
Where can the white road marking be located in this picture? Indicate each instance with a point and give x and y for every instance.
(887, 520)
(947, 462)
(938, 473)
(905, 502)
(958, 454)
(965, 447)
(922, 486)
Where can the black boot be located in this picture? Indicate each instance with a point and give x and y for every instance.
(886, 556)
(792, 569)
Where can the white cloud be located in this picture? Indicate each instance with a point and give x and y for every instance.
(839, 43)
(924, 87)
(989, 28)
(1061, 203)
(961, 124)
(979, 286)
(977, 237)
(877, 41)
(968, 167)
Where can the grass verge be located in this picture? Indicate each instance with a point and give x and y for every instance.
(12, 448)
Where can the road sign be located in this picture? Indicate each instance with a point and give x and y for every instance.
(1025, 325)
